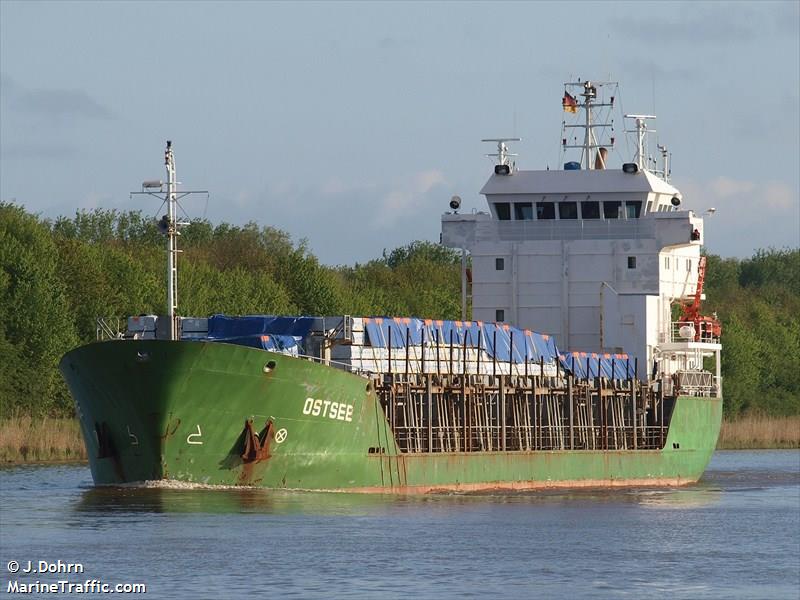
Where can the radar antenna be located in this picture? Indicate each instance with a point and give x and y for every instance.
(503, 166)
(641, 132)
(169, 226)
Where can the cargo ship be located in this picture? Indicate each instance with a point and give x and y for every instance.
(595, 258)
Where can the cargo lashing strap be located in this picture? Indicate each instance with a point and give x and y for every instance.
(256, 446)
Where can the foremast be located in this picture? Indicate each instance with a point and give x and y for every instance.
(169, 225)
(172, 233)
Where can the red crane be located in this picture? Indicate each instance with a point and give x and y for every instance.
(704, 327)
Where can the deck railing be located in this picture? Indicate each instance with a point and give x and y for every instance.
(688, 331)
(479, 413)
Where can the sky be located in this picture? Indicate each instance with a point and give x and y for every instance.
(352, 124)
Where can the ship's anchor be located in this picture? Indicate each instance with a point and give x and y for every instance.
(256, 446)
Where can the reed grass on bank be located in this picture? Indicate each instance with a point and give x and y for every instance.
(26, 439)
(760, 431)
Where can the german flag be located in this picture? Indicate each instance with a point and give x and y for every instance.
(569, 103)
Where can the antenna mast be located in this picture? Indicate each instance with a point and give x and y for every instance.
(172, 241)
(589, 94)
(502, 149)
(665, 157)
(169, 226)
(641, 132)
(589, 104)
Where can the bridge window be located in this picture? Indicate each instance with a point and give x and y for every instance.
(567, 210)
(499, 264)
(611, 209)
(523, 211)
(499, 315)
(503, 210)
(631, 262)
(633, 209)
(545, 210)
(590, 210)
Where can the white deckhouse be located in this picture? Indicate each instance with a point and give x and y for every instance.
(597, 255)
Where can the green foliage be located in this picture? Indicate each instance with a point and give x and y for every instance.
(772, 267)
(421, 279)
(57, 277)
(36, 325)
(422, 251)
(758, 302)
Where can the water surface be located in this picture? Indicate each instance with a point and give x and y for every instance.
(736, 534)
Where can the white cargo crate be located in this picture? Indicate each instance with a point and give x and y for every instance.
(142, 323)
(194, 325)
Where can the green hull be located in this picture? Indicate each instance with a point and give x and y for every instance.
(152, 410)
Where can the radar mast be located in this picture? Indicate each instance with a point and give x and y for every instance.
(594, 122)
(169, 226)
(641, 132)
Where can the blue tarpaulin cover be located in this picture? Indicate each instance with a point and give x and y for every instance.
(611, 366)
(504, 342)
(527, 345)
(222, 326)
(276, 343)
(260, 331)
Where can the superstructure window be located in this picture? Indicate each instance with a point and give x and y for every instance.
(631, 262)
(590, 210)
(611, 209)
(523, 211)
(567, 210)
(666, 262)
(499, 315)
(689, 265)
(499, 264)
(545, 210)
(633, 209)
(503, 210)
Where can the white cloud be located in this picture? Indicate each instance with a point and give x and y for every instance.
(345, 220)
(243, 199)
(725, 187)
(778, 196)
(405, 202)
(749, 214)
(726, 193)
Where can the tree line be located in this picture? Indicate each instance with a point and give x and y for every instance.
(57, 276)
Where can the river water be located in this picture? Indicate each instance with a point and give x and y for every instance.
(736, 534)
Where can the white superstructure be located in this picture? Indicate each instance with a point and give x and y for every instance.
(596, 255)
